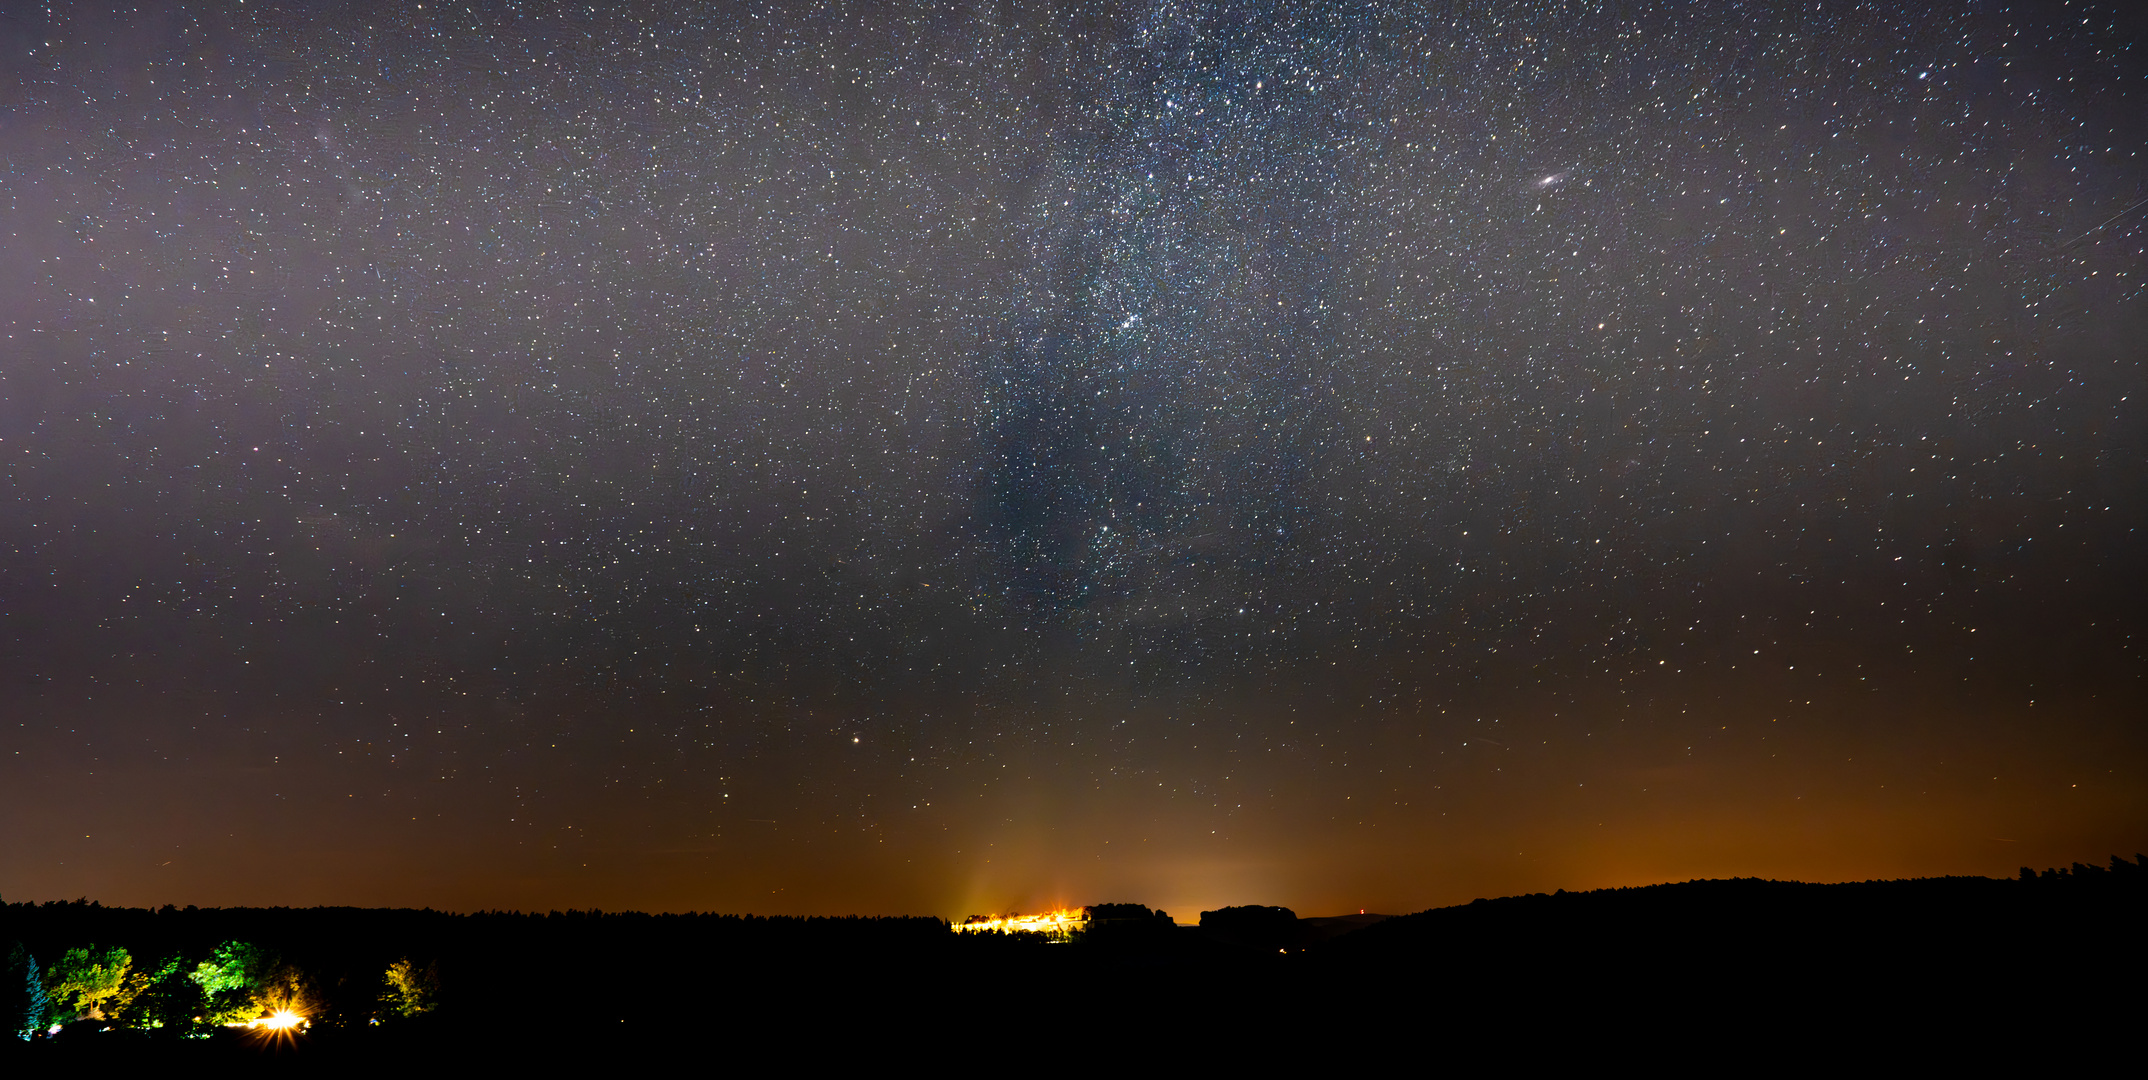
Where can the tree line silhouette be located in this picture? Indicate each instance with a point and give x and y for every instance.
(1938, 951)
(2119, 872)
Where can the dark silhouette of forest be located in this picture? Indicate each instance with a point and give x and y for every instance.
(1941, 957)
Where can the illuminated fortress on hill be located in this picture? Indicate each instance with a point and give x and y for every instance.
(1070, 924)
(1060, 925)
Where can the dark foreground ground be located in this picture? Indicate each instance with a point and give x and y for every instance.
(1671, 976)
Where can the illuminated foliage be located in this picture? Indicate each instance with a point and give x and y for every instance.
(166, 997)
(284, 990)
(230, 978)
(233, 966)
(411, 990)
(86, 979)
(23, 1002)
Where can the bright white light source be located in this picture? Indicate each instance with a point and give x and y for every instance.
(280, 1020)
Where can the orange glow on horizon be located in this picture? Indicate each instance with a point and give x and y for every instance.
(1059, 924)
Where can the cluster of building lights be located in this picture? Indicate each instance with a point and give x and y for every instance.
(1058, 925)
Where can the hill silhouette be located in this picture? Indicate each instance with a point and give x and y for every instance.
(1722, 957)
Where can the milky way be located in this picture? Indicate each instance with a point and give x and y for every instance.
(863, 457)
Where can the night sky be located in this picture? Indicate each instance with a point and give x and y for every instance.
(844, 457)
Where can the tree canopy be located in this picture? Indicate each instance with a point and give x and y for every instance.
(411, 989)
(23, 1002)
(86, 979)
(230, 979)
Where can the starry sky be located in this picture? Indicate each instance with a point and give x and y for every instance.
(944, 458)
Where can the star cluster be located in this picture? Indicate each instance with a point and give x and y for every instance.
(850, 456)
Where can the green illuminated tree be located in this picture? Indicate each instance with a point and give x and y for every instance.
(85, 980)
(166, 997)
(229, 979)
(242, 981)
(411, 989)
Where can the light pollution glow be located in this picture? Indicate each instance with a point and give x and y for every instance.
(1060, 924)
